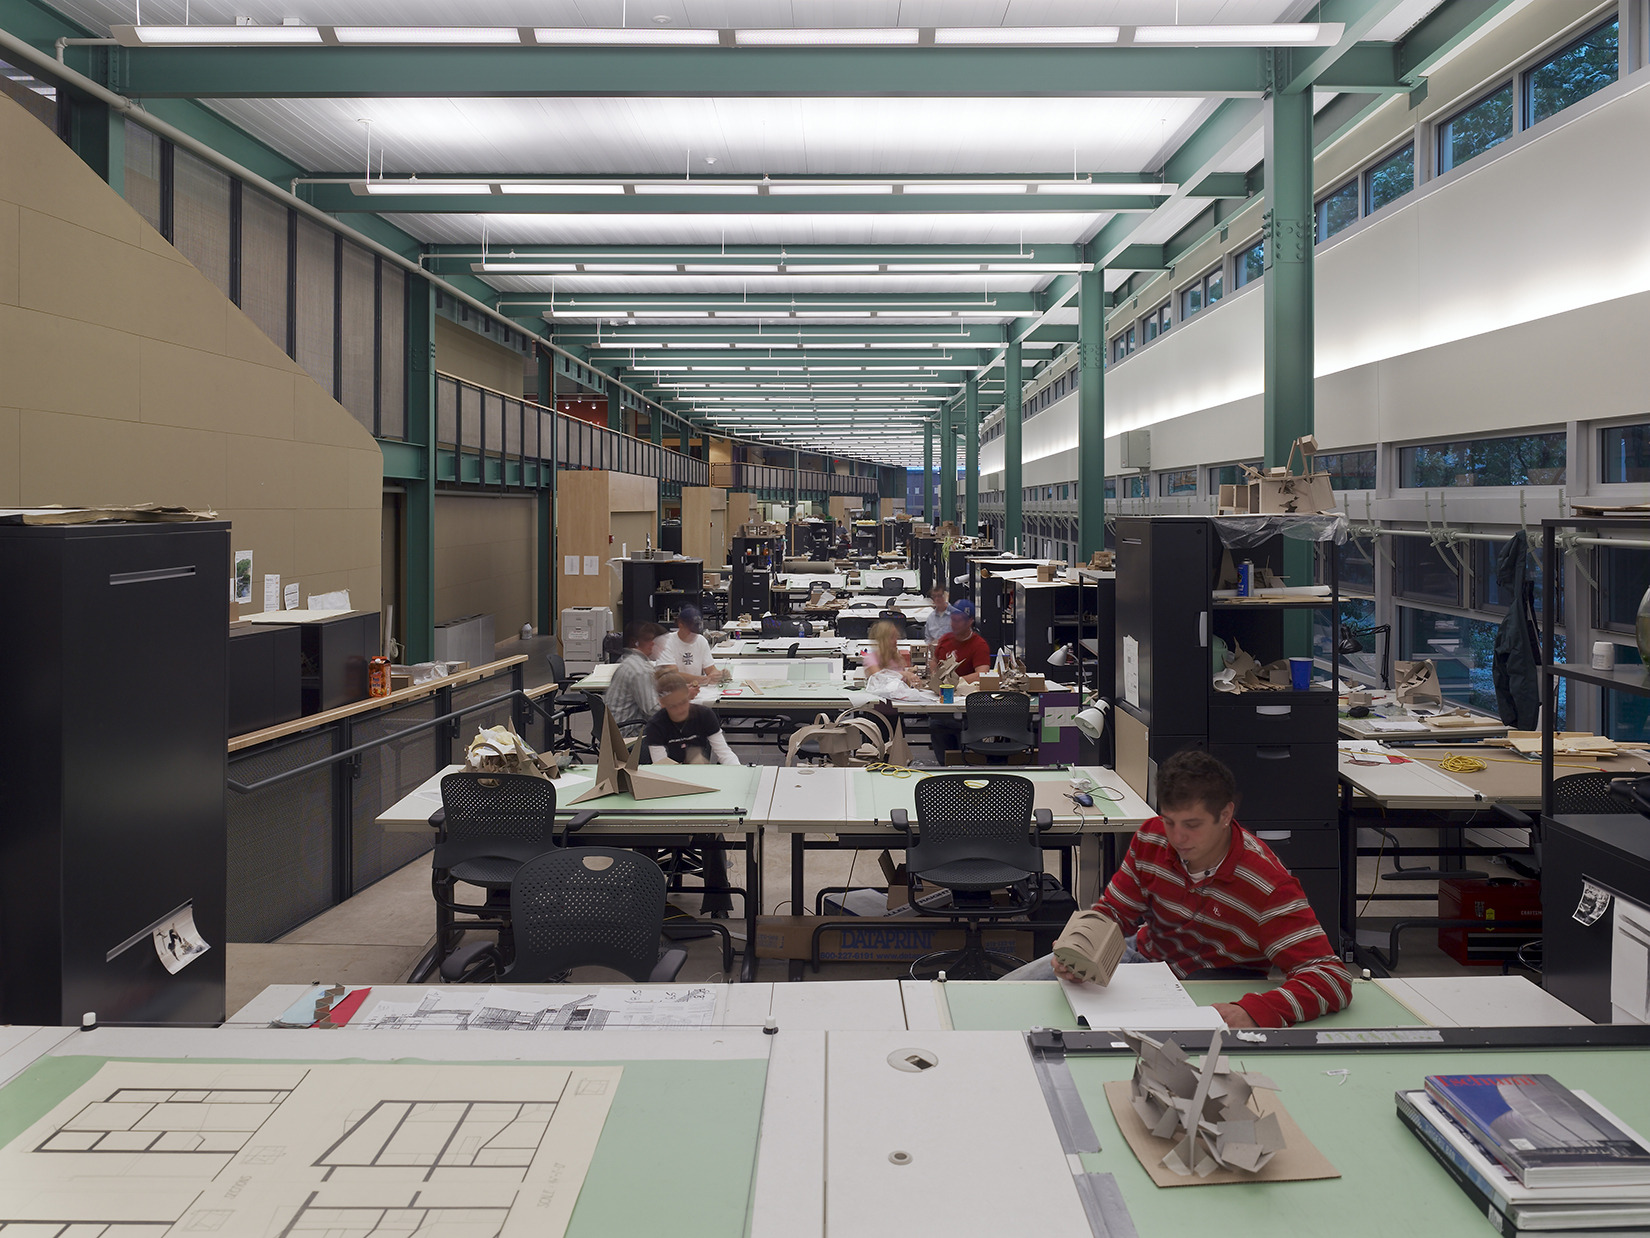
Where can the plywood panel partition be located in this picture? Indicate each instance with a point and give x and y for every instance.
(704, 524)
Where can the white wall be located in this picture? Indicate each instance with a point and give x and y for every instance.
(1512, 292)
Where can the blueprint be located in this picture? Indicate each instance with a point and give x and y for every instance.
(166, 1150)
(455, 1008)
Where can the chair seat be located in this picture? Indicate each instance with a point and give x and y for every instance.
(573, 700)
(994, 744)
(492, 872)
(972, 874)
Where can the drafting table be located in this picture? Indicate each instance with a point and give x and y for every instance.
(727, 809)
(852, 808)
(1386, 708)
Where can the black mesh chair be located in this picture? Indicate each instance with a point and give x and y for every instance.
(1580, 794)
(854, 627)
(820, 584)
(975, 833)
(488, 826)
(998, 725)
(568, 704)
(772, 625)
(578, 907)
(893, 585)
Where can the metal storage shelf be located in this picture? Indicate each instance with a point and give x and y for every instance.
(1634, 680)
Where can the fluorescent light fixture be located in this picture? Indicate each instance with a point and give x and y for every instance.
(1102, 187)
(423, 187)
(625, 36)
(522, 268)
(844, 36)
(1024, 36)
(214, 36)
(811, 267)
(798, 188)
(1292, 34)
(693, 187)
(415, 35)
(965, 187)
(556, 187)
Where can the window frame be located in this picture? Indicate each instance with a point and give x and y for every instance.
(1404, 466)
(1320, 208)
(1441, 128)
(1367, 174)
(1526, 75)
(1239, 265)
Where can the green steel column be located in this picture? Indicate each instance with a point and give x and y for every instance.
(418, 623)
(98, 136)
(971, 455)
(547, 559)
(948, 466)
(1012, 524)
(796, 483)
(1288, 296)
(928, 471)
(1091, 413)
(615, 409)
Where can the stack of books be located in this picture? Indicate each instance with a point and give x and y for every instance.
(1536, 1157)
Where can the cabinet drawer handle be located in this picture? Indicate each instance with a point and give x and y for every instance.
(1274, 711)
(1272, 754)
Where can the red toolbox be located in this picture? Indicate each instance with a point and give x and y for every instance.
(1511, 902)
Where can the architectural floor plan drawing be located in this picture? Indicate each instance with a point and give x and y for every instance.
(167, 1150)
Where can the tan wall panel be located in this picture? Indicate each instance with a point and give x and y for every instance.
(582, 525)
(704, 524)
(464, 354)
(484, 559)
(130, 378)
(631, 492)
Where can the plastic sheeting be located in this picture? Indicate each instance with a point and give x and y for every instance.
(1242, 532)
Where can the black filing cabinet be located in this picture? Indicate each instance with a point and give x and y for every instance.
(336, 652)
(1610, 851)
(264, 665)
(112, 768)
(1280, 745)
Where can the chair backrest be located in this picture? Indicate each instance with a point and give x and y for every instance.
(1577, 794)
(776, 626)
(498, 806)
(897, 615)
(982, 805)
(819, 584)
(998, 713)
(893, 584)
(558, 668)
(586, 907)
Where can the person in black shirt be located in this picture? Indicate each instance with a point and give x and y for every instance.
(683, 732)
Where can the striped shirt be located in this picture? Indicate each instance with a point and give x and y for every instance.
(1251, 913)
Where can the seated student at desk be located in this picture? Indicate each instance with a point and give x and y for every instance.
(973, 655)
(938, 623)
(687, 649)
(1197, 891)
(683, 732)
(632, 693)
(885, 653)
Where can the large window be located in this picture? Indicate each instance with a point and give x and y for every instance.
(1348, 470)
(1624, 454)
(1389, 179)
(1463, 650)
(1177, 481)
(1155, 323)
(1250, 264)
(1423, 572)
(1487, 593)
(1227, 475)
(1123, 345)
(1585, 66)
(1204, 292)
(1338, 210)
(1518, 460)
(1475, 129)
(1135, 487)
(1623, 574)
(1355, 561)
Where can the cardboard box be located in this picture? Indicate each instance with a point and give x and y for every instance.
(871, 939)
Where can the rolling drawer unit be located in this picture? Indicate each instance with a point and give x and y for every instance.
(1598, 968)
(1280, 745)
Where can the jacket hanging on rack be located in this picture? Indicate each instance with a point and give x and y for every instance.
(1517, 681)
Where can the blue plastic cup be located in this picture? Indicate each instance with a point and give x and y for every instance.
(948, 695)
(1300, 674)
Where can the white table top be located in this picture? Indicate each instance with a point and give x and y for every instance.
(1482, 1001)
(1405, 784)
(1386, 709)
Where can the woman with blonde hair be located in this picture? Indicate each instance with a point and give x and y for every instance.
(885, 653)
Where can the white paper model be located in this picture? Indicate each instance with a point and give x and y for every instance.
(1208, 1107)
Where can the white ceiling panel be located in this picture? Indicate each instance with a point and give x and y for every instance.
(716, 14)
(744, 137)
(1053, 226)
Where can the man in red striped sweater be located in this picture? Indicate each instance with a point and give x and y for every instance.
(1197, 890)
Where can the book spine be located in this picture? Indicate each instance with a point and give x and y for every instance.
(1481, 1191)
(1493, 1146)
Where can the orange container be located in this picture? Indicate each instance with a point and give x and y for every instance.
(378, 677)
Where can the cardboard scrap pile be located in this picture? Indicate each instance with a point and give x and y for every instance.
(1282, 491)
(1567, 744)
(1244, 674)
(1207, 1111)
(499, 750)
(1009, 675)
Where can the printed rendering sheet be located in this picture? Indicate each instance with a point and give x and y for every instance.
(159, 1150)
(451, 1007)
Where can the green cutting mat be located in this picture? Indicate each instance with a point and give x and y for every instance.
(1390, 1187)
(679, 1142)
(989, 1006)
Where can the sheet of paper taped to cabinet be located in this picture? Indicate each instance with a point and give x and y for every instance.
(242, 1150)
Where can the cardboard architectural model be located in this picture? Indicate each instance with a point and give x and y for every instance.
(1090, 946)
(616, 772)
(1207, 1110)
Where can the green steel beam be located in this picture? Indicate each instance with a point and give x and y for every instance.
(98, 136)
(948, 465)
(971, 456)
(418, 514)
(1301, 68)
(1288, 363)
(1221, 185)
(342, 200)
(1013, 527)
(1441, 31)
(1140, 258)
(689, 72)
(1368, 69)
(1340, 116)
(1091, 415)
(928, 471)
(548, 556)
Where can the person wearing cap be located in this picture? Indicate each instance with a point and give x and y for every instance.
(973, 655)
(687, 650)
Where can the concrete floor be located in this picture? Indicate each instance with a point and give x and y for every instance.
(379, 935)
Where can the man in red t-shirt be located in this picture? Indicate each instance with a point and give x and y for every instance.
(973, 655)
(1198, 891)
